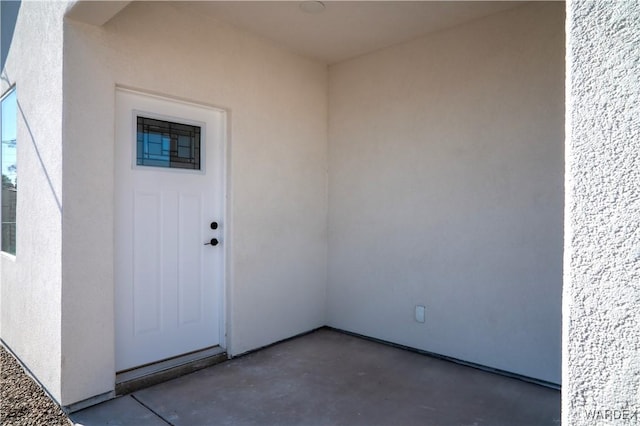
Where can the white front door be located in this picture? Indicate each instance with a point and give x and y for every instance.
(169, 181)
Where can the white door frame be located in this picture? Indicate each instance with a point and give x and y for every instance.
(225, 228)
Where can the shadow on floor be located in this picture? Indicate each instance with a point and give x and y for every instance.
(330, 378)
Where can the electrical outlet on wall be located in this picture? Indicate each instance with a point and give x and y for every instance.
(419, 313)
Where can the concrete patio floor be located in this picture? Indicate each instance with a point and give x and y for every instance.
(331, 378)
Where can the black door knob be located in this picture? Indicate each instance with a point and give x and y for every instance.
(213, 242)
(214, 225)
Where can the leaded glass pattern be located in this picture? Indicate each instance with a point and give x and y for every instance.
(161, 143)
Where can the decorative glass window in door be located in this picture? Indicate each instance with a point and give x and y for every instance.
(161, 143)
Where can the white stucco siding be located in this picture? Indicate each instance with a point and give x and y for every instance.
(277, 104)
(445, 190)
(87, 263)
(31, 282)
(602, 243)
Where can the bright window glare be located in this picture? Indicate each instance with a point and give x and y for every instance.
(8, 162)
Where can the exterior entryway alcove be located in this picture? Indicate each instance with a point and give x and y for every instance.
(424, 170)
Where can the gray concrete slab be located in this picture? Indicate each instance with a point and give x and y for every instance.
(117, 412)
(329, 378)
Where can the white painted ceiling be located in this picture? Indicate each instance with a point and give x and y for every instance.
(346, 29)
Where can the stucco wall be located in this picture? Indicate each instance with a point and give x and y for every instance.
(31, 282)
(602, 243)
(277, 105)
(445, 190)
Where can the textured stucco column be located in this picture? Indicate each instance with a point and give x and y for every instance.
(601, 383)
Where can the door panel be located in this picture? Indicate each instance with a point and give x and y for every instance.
(147, 264)
(168, 282)
(189, 259)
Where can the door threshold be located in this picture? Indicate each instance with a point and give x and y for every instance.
(151, 374)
